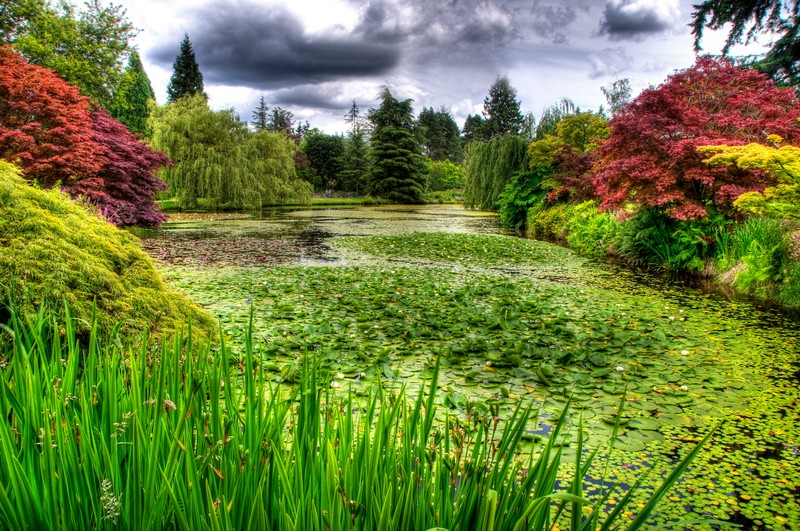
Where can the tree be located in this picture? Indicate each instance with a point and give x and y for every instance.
(45, 123)
(87, 48)
(325, 154)
(440, 138)
(489, 166)
(781, 200)
(748, 19)
(398, 168)
(651, 156)
(355, 162)
(281, 121)
(133, 96)
(125, 186)
(476, 129)
(48, 128)
(552, 115)
(260, 121)
(618, 95)
(186, 78)
(218, 159)
(501, 109)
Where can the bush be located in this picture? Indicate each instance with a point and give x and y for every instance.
(52, 252)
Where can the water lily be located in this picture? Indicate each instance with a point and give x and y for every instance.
(335, 384)
(620, 369)
(684, 352)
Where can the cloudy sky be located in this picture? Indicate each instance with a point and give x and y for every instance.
(314, 57)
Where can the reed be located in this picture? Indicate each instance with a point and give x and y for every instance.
(102, 436)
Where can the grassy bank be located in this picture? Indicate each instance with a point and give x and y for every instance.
(97, 438)
(758, 257)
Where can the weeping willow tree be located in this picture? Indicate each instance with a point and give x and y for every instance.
(218, 159)
(489, 166)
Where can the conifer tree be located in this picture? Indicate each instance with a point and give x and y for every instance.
(260, 121)
(132, 96)
(398, 171)
(186, 77)
(501, 109)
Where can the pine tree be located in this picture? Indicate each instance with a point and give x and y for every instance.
(440, 135)
(260, 121)
(501, 109)
(132, 96)
(186, 77)
(398, 172)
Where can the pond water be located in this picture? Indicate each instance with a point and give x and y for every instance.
(380, 291)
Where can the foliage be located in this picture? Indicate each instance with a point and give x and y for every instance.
(522, 192)
(444, 175)
(745, 20)
(45, 123)
(186, 80)
(651, 156)
(281, 121)
(398, 168)
(125, 186)
(53, 252)
(652, 239)
(501, 109)
(325, 154)
(585, 229)
(758, 257)
(476, 129)
(86, 48)
(783, 163)
(552, 115)
(132, 97)
(618, 95)
(217, 158)
(489, 167)
(47, 128)
(441, 140)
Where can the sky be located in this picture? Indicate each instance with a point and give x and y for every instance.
(314, 57)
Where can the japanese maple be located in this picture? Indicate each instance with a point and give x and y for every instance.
(45, 123)
(124, 187)
(651, 156)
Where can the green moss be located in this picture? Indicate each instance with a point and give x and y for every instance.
(53, 252)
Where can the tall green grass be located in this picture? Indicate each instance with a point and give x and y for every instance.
(196, 439)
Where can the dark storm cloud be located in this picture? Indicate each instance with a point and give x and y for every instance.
(634, 19)
(311, 97)
(265, 47)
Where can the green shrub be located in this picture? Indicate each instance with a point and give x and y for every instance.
(52, 252)
(591, 232)
(548, 222)
(520, 194)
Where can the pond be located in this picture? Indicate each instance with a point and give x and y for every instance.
(378, 293)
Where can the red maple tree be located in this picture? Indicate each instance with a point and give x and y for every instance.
(124, 187)
(50, 130)
(651, 158)
(45, 123)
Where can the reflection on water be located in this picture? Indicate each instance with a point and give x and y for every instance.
(279, 235)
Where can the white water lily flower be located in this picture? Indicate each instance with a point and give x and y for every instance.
(684, 388)
(620, 369)
(340, 375)
(671, 317)
(684, 352)
(335, 385)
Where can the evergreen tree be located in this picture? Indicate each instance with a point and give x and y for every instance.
(475, 129)
(398, 171)
(281, 121)
(132, 96)
(355, 162)
(186, 77)
(501, 109)
(440, 138)
(325, 156)
(260, 120)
